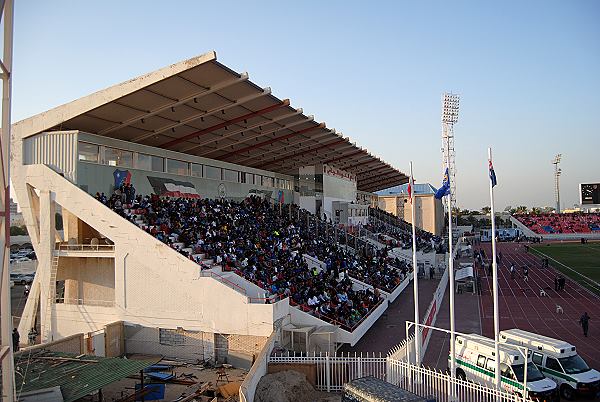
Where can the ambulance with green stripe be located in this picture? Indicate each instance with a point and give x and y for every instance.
(475, 362)
(558, 360)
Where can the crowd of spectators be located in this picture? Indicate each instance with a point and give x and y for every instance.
(561, 223)
(266, 245)
(396, 232)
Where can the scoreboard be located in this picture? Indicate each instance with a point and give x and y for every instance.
(589, 193)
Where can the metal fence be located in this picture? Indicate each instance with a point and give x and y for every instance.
(332, 372)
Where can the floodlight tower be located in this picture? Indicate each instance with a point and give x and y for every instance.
(557, 173)
(450, 103)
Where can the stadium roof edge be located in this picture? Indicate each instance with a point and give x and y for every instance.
(201, 107)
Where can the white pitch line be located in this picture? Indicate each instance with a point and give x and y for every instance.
(567, 267)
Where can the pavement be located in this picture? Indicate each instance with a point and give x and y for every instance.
(390, 329)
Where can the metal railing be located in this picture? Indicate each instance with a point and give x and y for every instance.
(332, 372)
(86, 247)
(85, 302)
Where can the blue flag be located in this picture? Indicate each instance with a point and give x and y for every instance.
(445, 189)
(493, 175)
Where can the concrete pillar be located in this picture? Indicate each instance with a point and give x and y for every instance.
(45, 254)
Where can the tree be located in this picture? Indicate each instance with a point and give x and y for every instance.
(18, 231)
(536, 210)
(486, 210)
(522, 209)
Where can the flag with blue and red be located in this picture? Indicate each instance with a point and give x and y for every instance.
(121, 177)
(445, 189)
(493, 175)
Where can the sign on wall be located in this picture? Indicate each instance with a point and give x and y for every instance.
(172, 188)
(340, 174)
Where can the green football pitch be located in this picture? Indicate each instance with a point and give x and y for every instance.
(581, 262)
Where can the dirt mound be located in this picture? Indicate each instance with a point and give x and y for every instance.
(286, 386)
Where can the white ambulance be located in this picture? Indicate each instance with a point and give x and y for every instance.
(559, 361)
(475, 362)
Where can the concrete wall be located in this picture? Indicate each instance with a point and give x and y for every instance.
(87, 278)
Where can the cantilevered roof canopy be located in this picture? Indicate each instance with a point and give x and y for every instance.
(201, 107)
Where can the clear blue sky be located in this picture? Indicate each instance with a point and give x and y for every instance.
(528, 74)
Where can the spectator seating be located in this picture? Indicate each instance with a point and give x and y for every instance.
(266, 247)
(561, 223)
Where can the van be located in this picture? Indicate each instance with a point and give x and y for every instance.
(558, 360)
(475, 361)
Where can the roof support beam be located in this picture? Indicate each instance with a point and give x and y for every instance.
(238, 102)
(372, 172)
(272, 140)
(339, 158)
(382, 184)
(247, 128)
(372, 159)
(284, 103)
(206, 91)
(258, 135)
(306, 151)
(276, 149)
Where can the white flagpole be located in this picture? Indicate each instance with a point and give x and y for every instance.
(495, 272)
(451, 287)
(415, 272)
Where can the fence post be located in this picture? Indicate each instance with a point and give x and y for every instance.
(360, 361)
(327, 372)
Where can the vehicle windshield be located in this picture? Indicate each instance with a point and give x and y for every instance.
(574, 364)
(533, 374)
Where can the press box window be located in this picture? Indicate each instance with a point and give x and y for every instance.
(267, 181)
(149, 162)
(118, 157)
(177, 167)
(196, 170)
(88, 152)
(211, 172)
(231, 175)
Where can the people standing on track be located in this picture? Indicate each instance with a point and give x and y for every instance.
(561, 283)
(525, 273)
(556, 283)
(490, 269)
(585, 322)
(512, 271)
(499, 257)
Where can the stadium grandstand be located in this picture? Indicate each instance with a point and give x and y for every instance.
(565, 225)
(192, 199)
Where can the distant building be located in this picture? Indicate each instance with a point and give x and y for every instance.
(13, 207)
(429, 213)
(16, 218)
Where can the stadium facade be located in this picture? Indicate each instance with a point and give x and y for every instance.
(194, 129)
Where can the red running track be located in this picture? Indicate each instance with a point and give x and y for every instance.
(521, 306)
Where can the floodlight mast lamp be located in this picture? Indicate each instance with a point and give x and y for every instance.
(557, 173)
(450, 104)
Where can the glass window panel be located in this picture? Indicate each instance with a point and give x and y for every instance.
(88, 152)
(196, 170)
(177, 167)
(211, 172)
(267, 181)
(118, 157)
(249, 178)
(144, 162)
(230, 175)
(158, 163)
